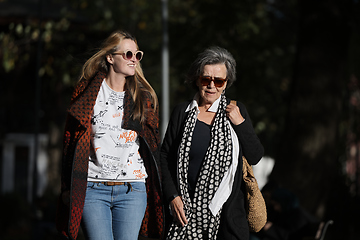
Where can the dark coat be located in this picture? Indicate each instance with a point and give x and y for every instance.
(233, 223)
(76, 152)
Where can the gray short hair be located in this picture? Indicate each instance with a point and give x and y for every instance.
(211, 56)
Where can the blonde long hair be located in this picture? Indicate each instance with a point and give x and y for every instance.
(136, 84)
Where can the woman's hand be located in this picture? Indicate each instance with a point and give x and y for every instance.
(177, 210)
(233, 113)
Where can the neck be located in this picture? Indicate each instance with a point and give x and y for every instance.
(204, 105)
(115, 82)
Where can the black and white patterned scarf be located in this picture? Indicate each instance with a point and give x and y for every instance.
(202, 224)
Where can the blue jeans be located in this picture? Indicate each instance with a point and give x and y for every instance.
(113, 212)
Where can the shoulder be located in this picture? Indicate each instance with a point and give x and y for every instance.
(241, 106)
(179, 110)
(238, 103)
(181, 107)
(178, 113)
(83, 83)
(147, 98)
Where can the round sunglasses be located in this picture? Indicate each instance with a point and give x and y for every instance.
(218, 82)
(129, 55)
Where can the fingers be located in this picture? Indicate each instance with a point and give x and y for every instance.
(232, 107)
(177, 208)
(181, 218)
(233, 113)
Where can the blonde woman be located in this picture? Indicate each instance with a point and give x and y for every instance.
(110, 184)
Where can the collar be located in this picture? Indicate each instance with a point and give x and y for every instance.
(194, 104)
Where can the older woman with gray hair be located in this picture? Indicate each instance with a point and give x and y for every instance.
(201, 155)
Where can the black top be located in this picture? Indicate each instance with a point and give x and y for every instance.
(199, 145)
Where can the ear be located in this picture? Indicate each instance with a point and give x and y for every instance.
(110, 58)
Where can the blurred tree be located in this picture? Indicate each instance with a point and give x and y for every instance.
(308, 160)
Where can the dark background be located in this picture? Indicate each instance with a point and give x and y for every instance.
(298, 69)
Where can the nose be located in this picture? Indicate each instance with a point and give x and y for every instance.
(133, 58)
(211, 84)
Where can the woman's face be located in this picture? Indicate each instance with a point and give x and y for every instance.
(119, 63)
(209, 93)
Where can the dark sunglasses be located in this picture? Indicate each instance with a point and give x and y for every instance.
(129, 55)
(218, 82)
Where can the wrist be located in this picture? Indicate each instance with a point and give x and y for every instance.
(172, 197)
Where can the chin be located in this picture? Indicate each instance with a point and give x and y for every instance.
(208, 100)
(130, 74)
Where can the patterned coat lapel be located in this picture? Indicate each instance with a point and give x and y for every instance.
(81, 107)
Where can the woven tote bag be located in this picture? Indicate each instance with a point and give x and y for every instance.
(255, 203)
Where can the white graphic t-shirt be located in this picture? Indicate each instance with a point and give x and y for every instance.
(114, 152)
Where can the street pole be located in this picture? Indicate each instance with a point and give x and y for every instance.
(165, 70)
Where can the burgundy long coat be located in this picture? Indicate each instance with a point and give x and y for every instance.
(76, 152)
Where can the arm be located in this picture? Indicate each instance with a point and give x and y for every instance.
(168, 160)
(168, 155)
